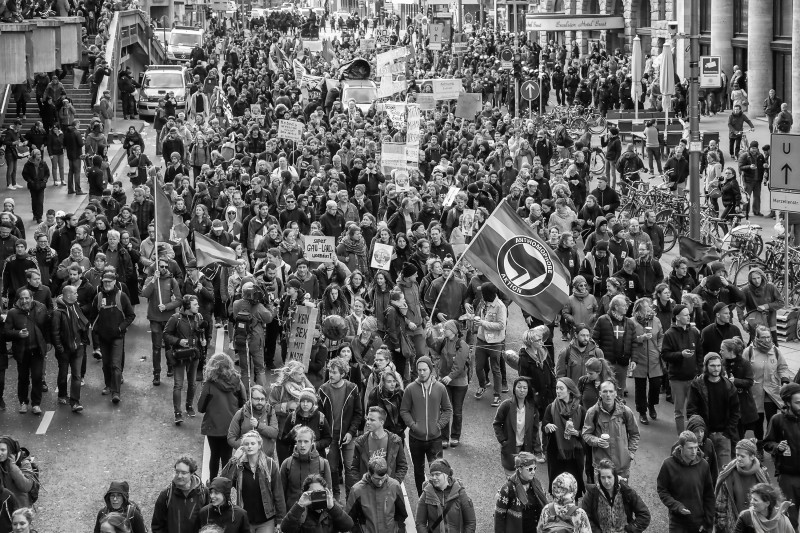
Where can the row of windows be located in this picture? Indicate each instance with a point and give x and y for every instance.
(781, 12)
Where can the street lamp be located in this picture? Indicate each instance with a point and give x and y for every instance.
(163, 20)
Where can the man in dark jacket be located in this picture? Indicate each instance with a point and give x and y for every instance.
(177, 507)
(716, 401)
(629, 163)
(15, 269)
(597, 267)
(636, 516)
(163, 295)
(783, 441)
(27, 325)
(655, 233)
(70, 336)
(677, 167)
(685, 488)
(73, 144)
(751, 169)
(680, 350)
(613, 146)
(377, 440)
(614, 334)
(712, 335)
(111, 315)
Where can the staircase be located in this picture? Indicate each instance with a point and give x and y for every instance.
(80, 100)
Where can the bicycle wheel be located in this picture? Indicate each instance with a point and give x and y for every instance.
(597, 124)
(670, 236)
(733, 259)
(597, 163)
(742, 274)
(578, 123)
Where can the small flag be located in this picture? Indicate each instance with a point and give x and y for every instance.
(163, 214)
(519, 264)
(208, 252)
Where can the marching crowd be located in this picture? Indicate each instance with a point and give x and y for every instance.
(326, 446)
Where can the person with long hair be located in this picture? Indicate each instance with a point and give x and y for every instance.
(256, 415)
(221, 396)
(357, 315)
(284, 396)
(352, 249)
(533, 362)
(513, 437)
(388, 395)
(767, 512)
(562, 423)
(646, 360)
(309, 415)
(256, 476)
(334, 301)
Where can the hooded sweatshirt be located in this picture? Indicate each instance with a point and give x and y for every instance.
(128, 509)
(295, 469)
(683, 484)
(764, 293)
(426, 407)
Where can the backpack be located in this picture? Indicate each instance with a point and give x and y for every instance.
(100, 306)
(242, 327)
(33, 494)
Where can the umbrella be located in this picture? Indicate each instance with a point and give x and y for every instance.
(667, 81)
(636, 73)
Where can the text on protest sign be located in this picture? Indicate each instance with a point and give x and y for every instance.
(446, 89)
(413, 133)
(396, 112)
(290, 129)
(301, 336)
(385, 60)
(382, 256)
(388, 87)
(319, 248)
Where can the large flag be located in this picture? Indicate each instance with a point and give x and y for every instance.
(519, 264)
(207, 252)
(163, 215)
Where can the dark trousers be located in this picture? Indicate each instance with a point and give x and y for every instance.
(790, 485)
(112, 363)
(734, 144)
(456, 393)
(647, 397)
(753, 188)
(220, 452)
(272, 332)
(74, 175)
(188, 370)
(421, 450)
(70, 362)
(30, 368)
(757, 427)
(37, 203)
(157, 339)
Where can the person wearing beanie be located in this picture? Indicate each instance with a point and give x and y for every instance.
(681, 350)
(220, 511)
(618, 245)
(426, 410)
(442, 486)
(716, 288)
(451, 352)
(491, 317)
(721, 328)
(14, 271)
(732, 488)
(715, 400)
(520, 500)
(581, 308)
(597, 267)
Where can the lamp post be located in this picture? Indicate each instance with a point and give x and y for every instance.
(163, 20)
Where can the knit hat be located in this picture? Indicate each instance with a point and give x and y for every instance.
(9, 201)
(22, 242)
(710, 356)
(294, 283)
(714, 283)
(408, 270)
(427, 360)
(448, 263)
(601, 246)
(222, 485)
(789, 390)
(472, 188)
(677, 310)
(719, 307)
(747, 445)
(616, 228)
(694, 423)
(523, 459)
(217, 224)
(452, 326)
(441, 465)
(308, 394)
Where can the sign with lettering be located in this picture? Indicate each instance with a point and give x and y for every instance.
(447, 89)
(382, 256)
(561, 22)
(319, 248)
(301, 335)
(435, 36)
(385, 60)
(451, 196)
(290, 129)
(426, 101)
(413, 121)
(396, 112)
(710, 72)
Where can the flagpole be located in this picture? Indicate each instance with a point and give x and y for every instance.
(155, 247)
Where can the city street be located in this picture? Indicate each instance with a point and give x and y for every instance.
(136, 440)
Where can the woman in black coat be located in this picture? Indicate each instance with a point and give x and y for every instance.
(505, 425)
(534, 363)
(563, 421)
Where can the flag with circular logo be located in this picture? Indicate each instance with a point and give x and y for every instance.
(520, 264)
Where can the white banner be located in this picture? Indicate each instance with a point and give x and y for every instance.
(396, 112)
(392, 68)
(290, 129)
(413, 133)
(447, 89)
(389, 87)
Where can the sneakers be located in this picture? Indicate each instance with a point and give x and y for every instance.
(156, 381)
(77, 408)
(178, 418)
(36, 410)
(480, 392)
(445, 444)
(505, 387)
(115, 398)
(653, 413)
(83, 382)
(97, 354)
(643, 419)
(190, 411)
(496, 401)
(170, 372)
(454, 443)
(62, 401)
(106, 391)
(23, 408)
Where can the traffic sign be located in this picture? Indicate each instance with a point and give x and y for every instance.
(529, 90)
(435, 36)
(506, 58)
(784, 201)
(784, 170)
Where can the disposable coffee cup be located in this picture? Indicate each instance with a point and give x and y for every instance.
(605, 436)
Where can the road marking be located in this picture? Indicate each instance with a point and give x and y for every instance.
(219, 344)
(48, 417)
(411, 524)
(206, 461)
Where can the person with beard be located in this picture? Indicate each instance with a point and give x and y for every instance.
(783, 442)
(715, 400)
(521, 499)
(177, 507)
(647, 366)
(376, 502)
(612, 505)
(732, 489)
(648, 269)
(760, 296)
(711, 336)
(614, 333)
(681, 350)
(304, 516)
(597, 267)
(680, 281)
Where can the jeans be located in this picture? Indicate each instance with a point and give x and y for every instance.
(734, 144)
(70, 362)
(11, 169)
(647, 398)
(253, 356)
(30, 367)
(157, 339)
(219, 452)
(621, 375)
(456, 393)
(790, 485)
(37, 203)
(421, 450)
(654, 153)
(74, 175)
(340, 457)
(680, 393)
(722, 445)
(753, 188)
(112, 363)
(488, 355)
(178, 379)
(57, 162)
(611, 172)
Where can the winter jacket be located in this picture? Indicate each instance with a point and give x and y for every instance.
(452, 358)
(580, 310)
(177, 510)
(512, 515)
(598, 271)
(712, 336)
(620, 425)
(784, 426)
(686, 485)
(637, 515)
(494, 319)
(301, 520)
(389, 402)
(37, 320)
(377, 509)
(231, 518)
(571, 362)
(129, 509)
(505, 430)
(8, 504)
(395, 458)
(697, 404)
(69, 326)
(542, 378)
(676, 340)
(731, 481)
(267, 427)
(269, 483)
(109, 321)
(416, 311)
(605, 333)
(169, 294)
(352, 412)
(460, 516)
(765, 293)
(647, 352)
(219, 401)
(426, 409)
(741, 372)
(296, 468)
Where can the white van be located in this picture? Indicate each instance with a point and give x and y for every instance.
(159, 80)
(182, 39)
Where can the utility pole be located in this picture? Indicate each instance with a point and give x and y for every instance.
(694, 120)
(460, 10)
(516, 77)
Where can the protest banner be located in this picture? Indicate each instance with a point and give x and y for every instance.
(398, 156)
(396, 112)
(290, 129)
(301, 335)
(412, 119)
(469, 105)
(386, 59)
(318, 248)
(426, 101)
(446, 89)
(368, 44)
(389, 87)
(451, 196)
(255, 110)
(382, 256)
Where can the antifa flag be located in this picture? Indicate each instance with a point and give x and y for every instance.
(519, 264)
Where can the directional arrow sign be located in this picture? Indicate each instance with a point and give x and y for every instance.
(784, 170)
(529, 90)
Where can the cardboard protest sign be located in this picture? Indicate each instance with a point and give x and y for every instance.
(381, 256)
(255, 109)
(402, 181)
(396, 112)
(319, 249)
(451, 196)
(469, 105)
(301, 335)
(469, 219)
(398, 156)
(447, 89)
(385, 60)
(426, 101)
(290, 129)
(413, 120)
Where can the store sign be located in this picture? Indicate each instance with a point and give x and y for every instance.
(560, 22)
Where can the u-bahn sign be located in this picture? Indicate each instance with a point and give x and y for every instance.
(561, 22)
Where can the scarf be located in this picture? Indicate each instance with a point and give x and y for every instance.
(357, 248)
(388, 401)
(286, 248)
(779, 523)
(520, 490)
(561, 412)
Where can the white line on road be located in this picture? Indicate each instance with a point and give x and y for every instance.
(219, 345)
(206, 461)
(411, 524)
(48, 417)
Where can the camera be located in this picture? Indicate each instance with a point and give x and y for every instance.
(672, 26)
(319, 500)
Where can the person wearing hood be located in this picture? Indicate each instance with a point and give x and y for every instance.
(521, 499)
(220, 511)
(185, 339)
(426, 410)
(680, 350)
(783, 442)
(715, 400)
(118, 501)
(177, 507)
(305, 460)
(571, 362)
(163, 293)
(601, 233)
(581, 307)
(16, 471)
(610, 429)
(451, 353)
(647, 365)
(563, 512)
(604, 501)
(760, 297)
(597, 267)
(444, 504)
(732, 488)
(618, 245)
(376, 502)
(685, 487)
